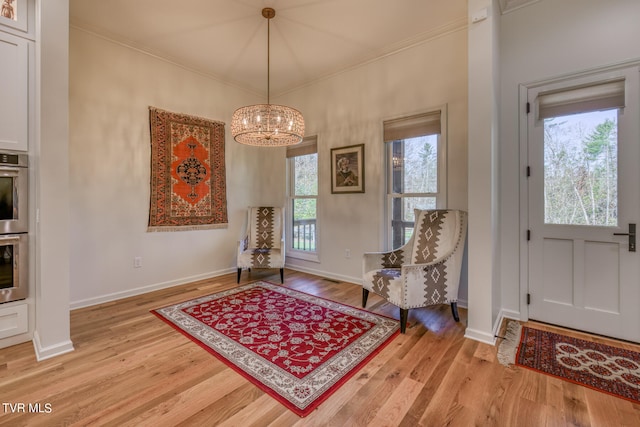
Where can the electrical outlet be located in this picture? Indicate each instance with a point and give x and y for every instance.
(137, 262)
(347, 253)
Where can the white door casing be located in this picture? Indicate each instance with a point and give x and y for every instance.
(583, 276)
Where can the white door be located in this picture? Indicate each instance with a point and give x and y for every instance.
(583, 152)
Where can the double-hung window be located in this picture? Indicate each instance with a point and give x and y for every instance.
(415, 149)
(302, 227)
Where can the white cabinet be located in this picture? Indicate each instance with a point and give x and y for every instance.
(13, 320)
(15, 53)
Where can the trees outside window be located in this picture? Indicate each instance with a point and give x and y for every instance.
(416, 170)
(302, 223)
(581, 169)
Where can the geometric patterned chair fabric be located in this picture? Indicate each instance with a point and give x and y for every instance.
(426, 270)
(263, 246)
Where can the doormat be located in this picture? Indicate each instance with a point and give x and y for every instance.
(601, 367)
(296, 347)
(188, 188)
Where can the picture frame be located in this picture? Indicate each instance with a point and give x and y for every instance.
(15, 14)
(347, 169)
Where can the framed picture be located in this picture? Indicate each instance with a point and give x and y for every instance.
(347, 169)
(14, 13)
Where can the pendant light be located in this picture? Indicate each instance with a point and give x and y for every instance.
(267, 125)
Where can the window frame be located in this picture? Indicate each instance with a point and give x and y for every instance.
(291, 197)
(442, 187)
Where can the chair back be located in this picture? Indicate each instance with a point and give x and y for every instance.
(436, 232)
(265, 227)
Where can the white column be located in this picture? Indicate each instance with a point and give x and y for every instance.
(483, 169)
(50, 157)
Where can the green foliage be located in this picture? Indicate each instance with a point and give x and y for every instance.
(305, 184)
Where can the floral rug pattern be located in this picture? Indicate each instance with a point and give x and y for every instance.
(295, 346)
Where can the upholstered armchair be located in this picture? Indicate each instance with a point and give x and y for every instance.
(263, 246)
(423, 272)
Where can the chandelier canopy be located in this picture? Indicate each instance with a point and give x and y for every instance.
(267, 125)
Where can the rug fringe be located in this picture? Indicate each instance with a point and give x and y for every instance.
(509, 346)
(159, 228)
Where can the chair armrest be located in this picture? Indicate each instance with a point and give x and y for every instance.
(378, 260)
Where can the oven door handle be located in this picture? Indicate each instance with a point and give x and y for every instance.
(9, 238)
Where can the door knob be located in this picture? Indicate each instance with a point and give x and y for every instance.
(632, 237)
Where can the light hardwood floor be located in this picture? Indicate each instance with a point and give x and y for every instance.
(131, 369)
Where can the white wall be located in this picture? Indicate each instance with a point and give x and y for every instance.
(349, 108)
(111, 88)
(542, 41)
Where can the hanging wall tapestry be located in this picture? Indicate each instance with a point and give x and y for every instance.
(188, 190)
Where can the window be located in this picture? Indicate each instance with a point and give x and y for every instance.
(302, 227)
(416, 178)
(581, 153)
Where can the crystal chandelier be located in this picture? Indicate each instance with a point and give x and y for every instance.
(267, 125)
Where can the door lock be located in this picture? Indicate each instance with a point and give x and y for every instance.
(632, 237)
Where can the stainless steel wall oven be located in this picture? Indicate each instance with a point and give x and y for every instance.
(14, 226)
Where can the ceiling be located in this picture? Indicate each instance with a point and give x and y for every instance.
(310, 39)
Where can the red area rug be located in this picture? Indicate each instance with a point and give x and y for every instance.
(296, 347)
(601, 367)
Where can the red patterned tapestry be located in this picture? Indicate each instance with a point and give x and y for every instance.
(601, 367)
(188, 189)
(296, 347)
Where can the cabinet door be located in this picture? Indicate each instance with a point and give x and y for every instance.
(14, 87)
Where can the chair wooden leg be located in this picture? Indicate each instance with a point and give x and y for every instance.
(239, 271)
(282, 276)
(404, 314)
(454, 311)
(365, 295)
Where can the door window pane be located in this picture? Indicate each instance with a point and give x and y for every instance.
(581, 169)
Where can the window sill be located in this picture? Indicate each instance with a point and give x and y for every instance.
(303, 255)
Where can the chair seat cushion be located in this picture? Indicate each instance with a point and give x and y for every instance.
(261, 258)
(427, 286)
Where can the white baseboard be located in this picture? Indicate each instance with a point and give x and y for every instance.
(328, 275)
(485, 337)
(144, 289)
(480, 336)
(43, 353)
(504, 314)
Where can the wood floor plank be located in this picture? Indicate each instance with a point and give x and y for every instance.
(130, 369)
(398, 403)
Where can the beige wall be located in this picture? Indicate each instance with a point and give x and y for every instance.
(111, 89)
(349, 109)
